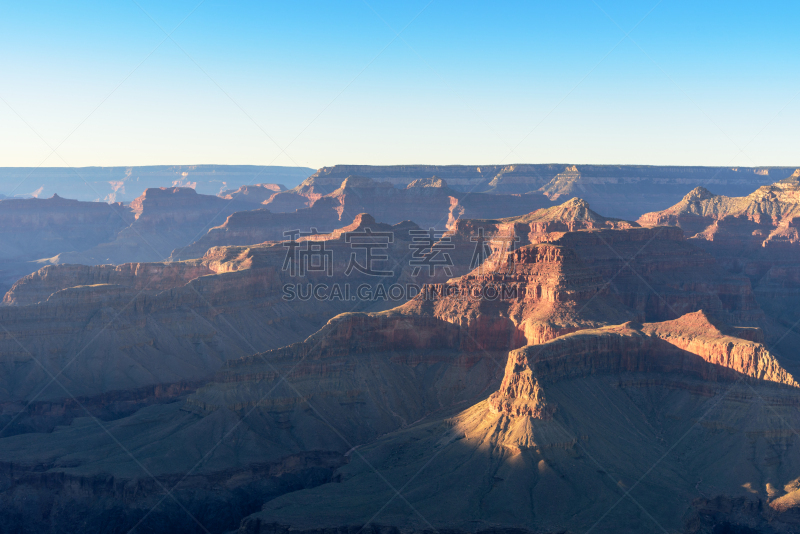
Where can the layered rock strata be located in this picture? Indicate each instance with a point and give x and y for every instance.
(163, 219)
(127, 326)
(689, 345)
(662, 408)
(624, 191)
(40, 228)
(754, 235)
(654, 271)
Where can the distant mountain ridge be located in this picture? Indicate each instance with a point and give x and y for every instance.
(623, 191)
(123, 184)
(516, 176)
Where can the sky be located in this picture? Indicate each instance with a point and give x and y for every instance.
(315, 84)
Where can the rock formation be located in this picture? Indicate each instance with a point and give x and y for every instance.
(430, 203)
(534, 294)
(690, 345)
(38, 228)
(259, 226)
(163, 219)
(654, 271)
(767, 218)
(37, 232)
(620, 190)
(256, 193)
(755, 236)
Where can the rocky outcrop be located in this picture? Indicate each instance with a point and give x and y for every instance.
(179, 205)
(690, 213)
(164, 219)
(669, 438)
(333, 370)
(754, 235)
(460, 327)
(256, 193)
(688, 345)
(574, 420)
(37, 232)
(427, 206)
(664, 276)
(429, 201)
(628, 191)
(764, 219)
(695, 333)
(485, 206)
(547, 225)
(530, 295)
(259, 226)
(654, 271)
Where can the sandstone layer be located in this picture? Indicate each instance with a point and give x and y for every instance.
(690, 345)
(654, 271)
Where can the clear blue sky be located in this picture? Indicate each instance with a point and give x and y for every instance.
(706, 83)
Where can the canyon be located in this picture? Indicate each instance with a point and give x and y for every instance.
(544, 365)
